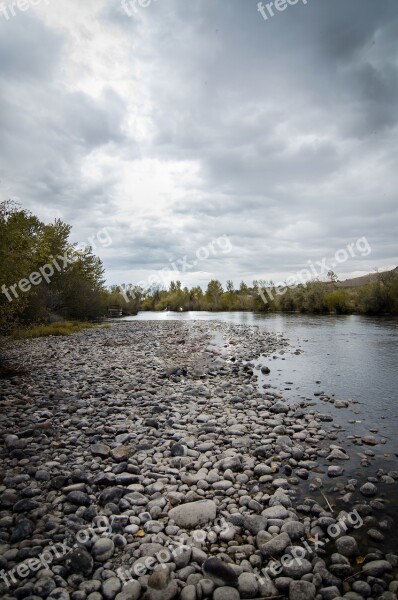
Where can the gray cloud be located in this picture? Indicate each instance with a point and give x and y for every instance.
(202, 119)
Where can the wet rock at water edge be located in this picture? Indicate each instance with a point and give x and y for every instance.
(368, 489)
(335, 471)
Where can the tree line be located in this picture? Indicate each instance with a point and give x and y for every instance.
(320, 297)
(44, 277)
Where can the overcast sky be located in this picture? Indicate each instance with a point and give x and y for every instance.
(191, 120)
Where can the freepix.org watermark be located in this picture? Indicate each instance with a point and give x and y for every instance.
(170, 552)
(57, 551)
(298, 553)
(317, 269)
(130, 6)
(182, 265)
(267, 10)
(57, 264)
(12, 8)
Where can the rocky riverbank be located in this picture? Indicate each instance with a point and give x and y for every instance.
(144, 461)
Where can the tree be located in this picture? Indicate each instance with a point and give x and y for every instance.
(230, 286)
(213, 293)
(41, 272)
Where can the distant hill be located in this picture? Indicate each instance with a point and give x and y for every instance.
(363, 280)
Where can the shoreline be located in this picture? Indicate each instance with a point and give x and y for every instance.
(106, 424)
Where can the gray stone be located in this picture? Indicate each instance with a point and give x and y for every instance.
(78, 498)
(266, 587)
(80, 561)
(178, 450)
(167, 593)
(294, 529)
(368, 489)
(375, 535)
(296, 568)
(22, 530)
(247, 585)
(182, 556)
(194, 514)
(188, 593)
(103, 549)
(25, 505)
(275, 512)
(362, 588)
(44, 586)
(59, 594)
(302, 590)
(254, 523)
(335, 471)
(329, 593)
(111, 587)
(221, 573)
(226, 593)
(337, 454)
(376, 568)
(275, 546)
(206, 587)
(279, 407)
(131, 591)
(347, 546)
(101, 450)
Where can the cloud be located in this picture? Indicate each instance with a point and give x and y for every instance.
(188, 121)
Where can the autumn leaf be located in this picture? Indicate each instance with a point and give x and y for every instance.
(140, 533)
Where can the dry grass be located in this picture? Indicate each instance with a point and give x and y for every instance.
(63, 328)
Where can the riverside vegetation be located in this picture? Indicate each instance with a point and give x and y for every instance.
(379, 296)
(44, 277)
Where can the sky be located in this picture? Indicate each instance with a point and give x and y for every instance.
(202, 139)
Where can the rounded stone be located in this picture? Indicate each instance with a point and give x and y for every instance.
(194, 514)
(296, 568)
(59, 594)
(362, 588)
(301, 590)
(103, 550)
(111, 587)
(80, 561)
(368, 489)
(294, 529)
(226, 593)
(131, 591)
(347, 546)
(219, 572)
(247, 585)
